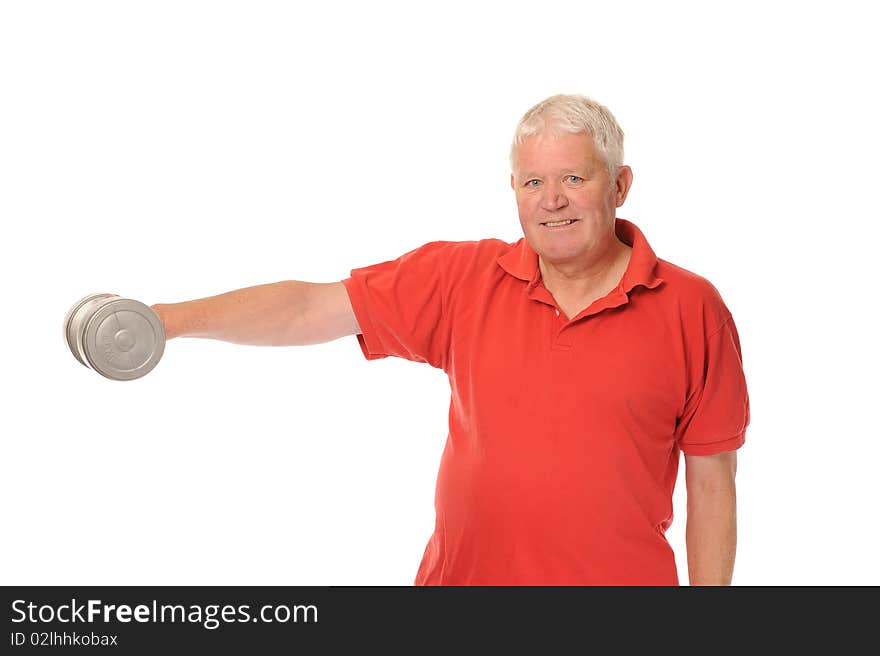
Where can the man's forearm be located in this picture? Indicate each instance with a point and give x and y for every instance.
(711, 535)
(264, 315)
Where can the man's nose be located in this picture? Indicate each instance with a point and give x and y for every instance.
(553, 197)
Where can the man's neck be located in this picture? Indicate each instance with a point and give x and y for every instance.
(586, 279)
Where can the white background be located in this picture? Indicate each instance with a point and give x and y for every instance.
(167, 151)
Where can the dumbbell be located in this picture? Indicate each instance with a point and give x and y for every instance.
(118, 337)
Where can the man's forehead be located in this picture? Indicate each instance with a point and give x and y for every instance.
(583, 165)
(573, 151)
(576, 165)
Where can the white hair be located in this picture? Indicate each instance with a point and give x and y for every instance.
(564, 113)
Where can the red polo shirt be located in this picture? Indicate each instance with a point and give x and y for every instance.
(564, 434)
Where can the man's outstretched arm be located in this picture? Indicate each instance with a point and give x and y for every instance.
(711, 518)
(287, 313)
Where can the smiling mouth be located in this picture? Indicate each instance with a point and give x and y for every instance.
(554, 224)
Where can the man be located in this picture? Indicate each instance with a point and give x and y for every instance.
(580, 366)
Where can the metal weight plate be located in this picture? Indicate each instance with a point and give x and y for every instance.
(74, 319)
(123, 339)
(81, 319)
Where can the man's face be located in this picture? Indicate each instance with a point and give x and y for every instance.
(560, 178)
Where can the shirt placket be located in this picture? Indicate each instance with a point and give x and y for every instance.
(560, 335)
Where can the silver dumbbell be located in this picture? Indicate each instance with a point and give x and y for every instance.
(120, 338)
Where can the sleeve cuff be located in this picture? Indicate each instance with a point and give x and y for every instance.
(712, 448)
(370, 345)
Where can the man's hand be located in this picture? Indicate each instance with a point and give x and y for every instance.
(711, 518)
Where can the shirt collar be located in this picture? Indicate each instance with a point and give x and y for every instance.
(521, 261)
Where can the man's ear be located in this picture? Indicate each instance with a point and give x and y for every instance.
(511, 182)
(623, 184)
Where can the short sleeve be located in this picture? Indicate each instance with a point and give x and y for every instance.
(400, 305)
(716, 412)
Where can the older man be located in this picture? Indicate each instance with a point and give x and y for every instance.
(580, 366)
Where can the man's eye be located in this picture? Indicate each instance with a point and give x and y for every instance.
(574, 178)
(529, 183)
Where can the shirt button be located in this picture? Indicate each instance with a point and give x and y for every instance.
(557, 312)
